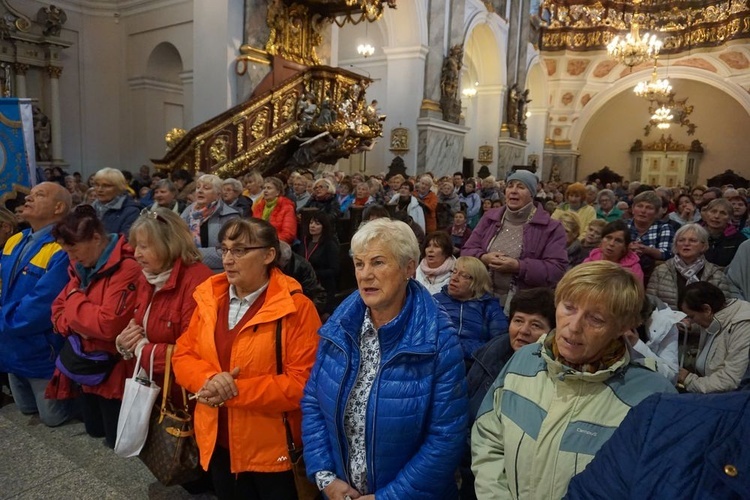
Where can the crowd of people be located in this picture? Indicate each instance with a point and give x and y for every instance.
(505, 338)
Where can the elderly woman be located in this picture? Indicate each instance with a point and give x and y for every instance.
(277, 209)
(246, 355)
(385, 410)
(572, 226)
(615, 247)
(607, 210)
(206, 216)
(434, 271)
(406, 201)
(324, 199)
(575, 201)
(685, 212)
(165, 196)
(231, 193)
(472, 201)
(113, 205)
(171, 270)
(92, 310)
(651, 238)
(723, 237)
(519, 243)
(448, 205)
(556, 401)
(475, 313)
(722, 360)
(689, 265)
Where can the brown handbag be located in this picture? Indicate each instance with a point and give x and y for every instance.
(170, 452)
(305, 489)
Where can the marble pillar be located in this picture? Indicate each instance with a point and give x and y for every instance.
(54, 73)
(518, 42)
(562, 162)
(437, 49)
(510, 152)
(536, 133)
(440, 146)
(20, 70)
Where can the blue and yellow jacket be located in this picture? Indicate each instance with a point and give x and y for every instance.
(28, 345)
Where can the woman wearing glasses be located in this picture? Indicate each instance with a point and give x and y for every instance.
(171, 270)
(228, 359)
(113, 204)
(475, 312)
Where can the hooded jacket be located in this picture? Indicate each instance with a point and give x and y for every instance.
(99, 310)
(477, 321)
(544, 258)
(257, 437)
(541, 422)
(28, 344)
(416, 419)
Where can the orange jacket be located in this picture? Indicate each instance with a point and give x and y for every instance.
(257, 439)
(283, 217)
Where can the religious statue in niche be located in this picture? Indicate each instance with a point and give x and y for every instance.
(42, 134)
(554, 175)
(306, 109)
(399, 139)
(450, 104)
(52, 19)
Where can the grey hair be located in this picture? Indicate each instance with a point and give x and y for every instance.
(606, 192)
(166, 184)
(694, 228)
(401, 240)
(214, 180)
(285, 253)
(649, 197)
(236, 185)
(330, 187)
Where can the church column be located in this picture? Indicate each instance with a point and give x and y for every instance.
(20, 70)
(518, 42)
(54, 73)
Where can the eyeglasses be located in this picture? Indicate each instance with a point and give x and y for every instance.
(150, 214)
(462, 275)
(237, 252)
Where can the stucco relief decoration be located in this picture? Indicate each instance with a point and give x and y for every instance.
(604, 68)
(585, 100)
(583, 25)
(735, 60)
(174, 136)
(566, 98)
(557, 132)
(219, 150)
(399, 140)
(697, 62)
(551, 66)
(52, 19)
(577, 66)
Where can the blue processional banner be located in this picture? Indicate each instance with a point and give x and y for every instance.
(17, 155)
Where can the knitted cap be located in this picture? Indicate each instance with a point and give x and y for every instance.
(529, 180)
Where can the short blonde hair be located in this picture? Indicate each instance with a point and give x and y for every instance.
(616, 290)
(480, 283)
(571, 223)
(168, 234)
(113, 176)
(397, 236)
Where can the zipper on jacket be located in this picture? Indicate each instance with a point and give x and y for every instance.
(340, 418)
(460, 319)
(515, 468)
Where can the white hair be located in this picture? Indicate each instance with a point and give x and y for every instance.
(398, 235)
(213, 180)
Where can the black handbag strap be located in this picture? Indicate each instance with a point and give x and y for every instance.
(293, 451)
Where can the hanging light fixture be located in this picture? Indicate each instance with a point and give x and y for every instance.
(470, 92)
(654, 89)
(365, 49)
(632, 49)
(663, 117)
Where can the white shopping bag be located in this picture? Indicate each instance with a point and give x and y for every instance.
(137, 402)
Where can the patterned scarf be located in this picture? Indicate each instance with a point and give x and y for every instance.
(689, 271)
(458, 229)
(197, 217)
(612, 354)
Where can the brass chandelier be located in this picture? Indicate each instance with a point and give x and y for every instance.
(654, 89)
(633, 49)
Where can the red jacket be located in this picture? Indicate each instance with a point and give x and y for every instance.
(429, 204)
(99, 312)
(256, 430)
(283, 217)
(171, 309)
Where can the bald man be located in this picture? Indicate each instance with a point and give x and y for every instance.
(33, 269)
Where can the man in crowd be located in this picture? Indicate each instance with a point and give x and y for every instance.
(33, 268)
(165, 196)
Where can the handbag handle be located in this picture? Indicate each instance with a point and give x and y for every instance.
(138, 365)
(280, 371)
(168, 383)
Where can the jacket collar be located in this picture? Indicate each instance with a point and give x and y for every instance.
(540, 217)
(561, 372)
(402, 333)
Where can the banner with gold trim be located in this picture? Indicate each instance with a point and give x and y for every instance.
(17, 155)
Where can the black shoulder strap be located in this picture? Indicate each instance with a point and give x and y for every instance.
(293, 451)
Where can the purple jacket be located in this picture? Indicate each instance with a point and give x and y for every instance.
(544, 257)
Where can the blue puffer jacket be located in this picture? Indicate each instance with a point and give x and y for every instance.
(28, 346)
(476, 320)
(121, 216)
(674, 446)
(416, 424)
